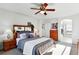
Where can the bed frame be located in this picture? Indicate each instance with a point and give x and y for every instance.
(19, 27)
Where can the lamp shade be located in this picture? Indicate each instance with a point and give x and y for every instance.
(42, 12)
(8, 34)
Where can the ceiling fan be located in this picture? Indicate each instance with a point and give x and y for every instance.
(43, 8)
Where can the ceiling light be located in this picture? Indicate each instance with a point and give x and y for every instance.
(42, 12)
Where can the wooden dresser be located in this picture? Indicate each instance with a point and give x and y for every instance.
(9, 44)
(54, 34)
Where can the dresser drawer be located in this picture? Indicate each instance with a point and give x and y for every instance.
(12, 46)
(7, 45)
(54, 34)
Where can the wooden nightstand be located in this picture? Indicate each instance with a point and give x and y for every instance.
(9, 44)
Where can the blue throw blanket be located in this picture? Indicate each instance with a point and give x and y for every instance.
(43, 45)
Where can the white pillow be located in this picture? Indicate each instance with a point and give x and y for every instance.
(23, 36)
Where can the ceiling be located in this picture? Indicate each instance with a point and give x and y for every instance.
(62, 9)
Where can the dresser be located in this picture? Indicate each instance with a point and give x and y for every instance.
(54, 34)
(9, 44)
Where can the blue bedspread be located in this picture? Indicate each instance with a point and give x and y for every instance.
(22, 42)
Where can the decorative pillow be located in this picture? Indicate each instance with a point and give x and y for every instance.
(23, 36)
(18, 33)
(22, 32)
(31, 35)
(27, 35)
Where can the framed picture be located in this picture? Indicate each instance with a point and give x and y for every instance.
(54, 25)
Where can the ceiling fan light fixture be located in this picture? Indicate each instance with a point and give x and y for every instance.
(42, 12)
(45, 13)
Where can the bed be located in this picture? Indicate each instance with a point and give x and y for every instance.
(37, 45)
(24, 37)
(44, 46)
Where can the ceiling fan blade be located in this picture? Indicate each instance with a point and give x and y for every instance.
(35, 8)
(37, 12)
(50, 9)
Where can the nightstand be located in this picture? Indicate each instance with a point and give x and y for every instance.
(9, 44)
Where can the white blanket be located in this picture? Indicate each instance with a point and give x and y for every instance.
(28, 47)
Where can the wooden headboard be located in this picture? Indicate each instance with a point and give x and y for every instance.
(21, 27)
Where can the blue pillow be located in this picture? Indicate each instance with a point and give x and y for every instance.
(31, 35)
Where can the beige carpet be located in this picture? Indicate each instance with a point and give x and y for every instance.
(14, 51)
(74, 50)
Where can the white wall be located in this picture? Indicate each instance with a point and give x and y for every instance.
(48, 22)
(75, 27)
(8, 19)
